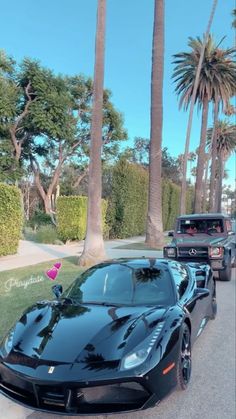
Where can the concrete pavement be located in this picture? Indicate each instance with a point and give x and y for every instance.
(31, 253)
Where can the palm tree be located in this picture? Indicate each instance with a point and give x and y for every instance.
(154, 233)
(94, 244)
(234, 16)
(225, 134)
(217, 80)
(192, 103)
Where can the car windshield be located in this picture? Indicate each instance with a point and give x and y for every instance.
(200, 226)
(120, 284)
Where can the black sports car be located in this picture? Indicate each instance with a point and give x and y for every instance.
(118, 339)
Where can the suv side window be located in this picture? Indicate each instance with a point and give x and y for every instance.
(181, 278)
(228, 225)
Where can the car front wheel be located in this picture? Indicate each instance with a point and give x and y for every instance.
(184, 366)
(226, 274)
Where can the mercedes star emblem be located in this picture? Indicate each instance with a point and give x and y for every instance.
(192, 252)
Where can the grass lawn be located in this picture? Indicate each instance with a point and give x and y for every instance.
(141, 246)
(19, 288)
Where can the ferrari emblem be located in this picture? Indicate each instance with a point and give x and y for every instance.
(51, 369)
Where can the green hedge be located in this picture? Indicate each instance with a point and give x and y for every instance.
(170, 203)
(72, 217)
(127, 207)
(11, 219)
(189, 200)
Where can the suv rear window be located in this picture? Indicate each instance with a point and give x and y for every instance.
(209, 226)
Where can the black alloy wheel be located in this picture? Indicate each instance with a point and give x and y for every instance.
(185, 361)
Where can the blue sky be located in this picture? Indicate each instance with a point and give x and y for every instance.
(61, 33)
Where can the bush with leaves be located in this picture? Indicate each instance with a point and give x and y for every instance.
(128, 203)
(39, 218)
(72, 217)
(11, 219)
(127, 208)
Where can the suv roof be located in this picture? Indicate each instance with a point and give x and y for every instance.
(205, 215)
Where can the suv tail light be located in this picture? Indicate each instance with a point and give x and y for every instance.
(216, 252)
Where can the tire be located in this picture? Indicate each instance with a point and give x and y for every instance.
(213, 308)
(183, 370)
(226, 274)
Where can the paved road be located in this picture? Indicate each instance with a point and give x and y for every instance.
(211, 394)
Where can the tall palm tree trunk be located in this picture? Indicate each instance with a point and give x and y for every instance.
(189, 127)
(213, 149)
(94, 244)
(154, 233)
(201, 158)
(220, 183)
(205, 186)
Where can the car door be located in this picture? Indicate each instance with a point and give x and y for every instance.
(193, 303)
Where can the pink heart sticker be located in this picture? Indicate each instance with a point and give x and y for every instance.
(57, 265)
(52, 273)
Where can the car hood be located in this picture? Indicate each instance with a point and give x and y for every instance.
(85, 334)
(199, 240)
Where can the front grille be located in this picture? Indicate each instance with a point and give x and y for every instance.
(19, 394)
(201, 252)
(73, 399)
(52, 396)
(107, 398)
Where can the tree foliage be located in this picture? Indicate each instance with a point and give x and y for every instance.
(72, 216)
(46, 120)
(11, 219)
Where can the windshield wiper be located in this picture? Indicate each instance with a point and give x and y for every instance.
(100, 303)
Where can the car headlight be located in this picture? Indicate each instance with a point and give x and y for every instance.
(140, 354)
(170, 252)
(216, 252)
(7, 344)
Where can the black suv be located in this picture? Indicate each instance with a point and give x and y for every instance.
(204, 238)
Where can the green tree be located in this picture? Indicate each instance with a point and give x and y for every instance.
(216, 82)
(48, 122)
(192, 103)
(225, 146)
(94, 245)
(154, 232)
(234, 20)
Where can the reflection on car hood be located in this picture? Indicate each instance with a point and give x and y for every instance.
(82, 333)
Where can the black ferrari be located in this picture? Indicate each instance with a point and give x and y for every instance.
(118, 339)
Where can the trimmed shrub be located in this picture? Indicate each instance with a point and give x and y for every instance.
(127, 208)
(39, 218)
(189, 200)
(11, 219)
(47, 234)
(173, 206)
(72, 217)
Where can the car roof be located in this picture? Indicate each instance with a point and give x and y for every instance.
(203, 215)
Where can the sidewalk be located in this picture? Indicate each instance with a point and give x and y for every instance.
(31, 253)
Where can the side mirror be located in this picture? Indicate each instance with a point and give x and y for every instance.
(57, 290)
(201, 292)
(171, 233)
